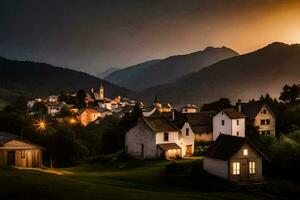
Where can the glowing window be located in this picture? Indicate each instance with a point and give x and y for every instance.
(251, 167)
(236, 168)
(245, 152)
(22, 153)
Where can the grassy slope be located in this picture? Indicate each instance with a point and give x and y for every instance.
(2, 104)
(100, 182)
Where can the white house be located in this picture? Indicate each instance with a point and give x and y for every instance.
(30, 104)
(235, 159)
(55, 108)
(229, 122)
(156, 136)
(189, 108)
(53, 98)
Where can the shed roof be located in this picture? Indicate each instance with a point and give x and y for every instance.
(6, 137)
(226, 146)
(169, 146)
(233, 113)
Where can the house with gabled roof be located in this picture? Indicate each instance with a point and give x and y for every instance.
(88, 115)
(228, 121)
(259, 115)
(235, 159)
(154, 136)
(18, 152)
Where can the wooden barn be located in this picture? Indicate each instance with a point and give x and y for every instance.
(15, 151)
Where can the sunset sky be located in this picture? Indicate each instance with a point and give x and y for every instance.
(94, 35)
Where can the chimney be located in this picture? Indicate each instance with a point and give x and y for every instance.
(239, 105)
(173, 115)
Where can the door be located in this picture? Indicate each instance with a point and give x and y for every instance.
(244, 170)
(11, 158)
(188, 151)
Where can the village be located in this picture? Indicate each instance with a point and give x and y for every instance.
(161, 131)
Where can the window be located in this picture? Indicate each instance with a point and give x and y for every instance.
(236, 168)
(262, 122)
(22, 153)
(245, 152)
(237, 133)
(187, 131)
(268, 122)
(268, 132)
(251, 167)
(142, 150)
(166, 136)
(223, 122)
(265, 111)
(237, 122)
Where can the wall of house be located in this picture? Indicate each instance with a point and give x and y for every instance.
(216, 167)
(218, 127)
(204, 137)
(26, 155)
(173, 138)
(238, 129)
(261, 116)
(187, 139)
(189, 110)
(252, 156)
(138, 135)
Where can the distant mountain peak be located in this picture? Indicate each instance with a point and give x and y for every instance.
(277, 45)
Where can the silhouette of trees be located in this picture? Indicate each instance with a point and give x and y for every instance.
(290, 94)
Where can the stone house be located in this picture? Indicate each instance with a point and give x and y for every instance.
(259, 115)
(156, 136)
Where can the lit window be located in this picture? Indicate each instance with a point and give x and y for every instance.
(237, 122)
(268, 122)
(236, 168)
(245, 152)
(251, 167)
(237, 133)
(223, 122)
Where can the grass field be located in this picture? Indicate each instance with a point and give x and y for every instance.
(2, 104)
(102, 181)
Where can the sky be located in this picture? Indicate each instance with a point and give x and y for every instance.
(93, 35)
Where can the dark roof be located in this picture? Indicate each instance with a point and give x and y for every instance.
(233, 113)
(6, 137)
(200, 122)
(159, 123)
(168, 146)
(251, 109)
(226, 146)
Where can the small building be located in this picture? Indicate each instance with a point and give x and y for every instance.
(30, 104)
(155, 136)
(88, 115)
(259, 115)
(15, 151)
(235, 159)
(55, 108)
(228, 121)
(53, 98)
(189, 108)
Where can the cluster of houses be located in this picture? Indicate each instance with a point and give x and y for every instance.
(100, 106)
(164, 132)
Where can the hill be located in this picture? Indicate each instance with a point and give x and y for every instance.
(246, 76)
(32, 78)
(107, 72)
(157, 72)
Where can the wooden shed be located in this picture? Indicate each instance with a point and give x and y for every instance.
(15, 151)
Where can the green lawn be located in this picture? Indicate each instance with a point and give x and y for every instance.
(2, 104)
(102, 181)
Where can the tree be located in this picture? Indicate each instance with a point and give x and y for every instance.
(290, 94)
(80, 97)
(217, 105)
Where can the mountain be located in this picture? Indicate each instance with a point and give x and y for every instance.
(107, 72)
(31, 78)
(246, 77)
(157, 72)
